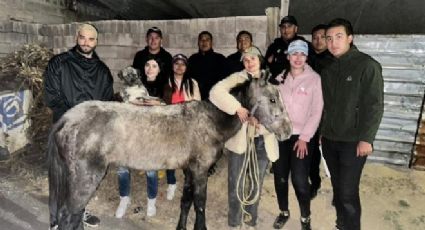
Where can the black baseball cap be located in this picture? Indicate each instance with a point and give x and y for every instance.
(288, 19)
(154, 30)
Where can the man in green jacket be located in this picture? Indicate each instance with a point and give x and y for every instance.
(353, 107)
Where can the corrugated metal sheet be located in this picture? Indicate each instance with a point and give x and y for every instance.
(403, 61)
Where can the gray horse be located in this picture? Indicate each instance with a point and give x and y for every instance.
(93, 135)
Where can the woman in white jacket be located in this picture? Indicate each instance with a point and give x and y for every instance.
(221, 97)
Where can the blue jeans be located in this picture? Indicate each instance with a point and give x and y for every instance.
(124, 181)
(234, 167)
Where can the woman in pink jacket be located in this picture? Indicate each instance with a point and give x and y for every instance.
(301, 91)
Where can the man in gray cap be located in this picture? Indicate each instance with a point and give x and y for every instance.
(276, 53)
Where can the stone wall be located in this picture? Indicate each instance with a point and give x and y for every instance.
(120, 40)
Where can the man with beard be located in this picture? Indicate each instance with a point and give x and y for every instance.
(73, 77)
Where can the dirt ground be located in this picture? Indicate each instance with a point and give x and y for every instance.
(392, 198)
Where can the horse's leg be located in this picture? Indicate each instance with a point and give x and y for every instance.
(200, 179)
(186, 200)
(84, 178)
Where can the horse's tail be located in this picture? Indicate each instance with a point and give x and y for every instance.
(58, 172)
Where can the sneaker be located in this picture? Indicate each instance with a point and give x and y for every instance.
(305, 223)
(90, 220)
(281, 220)
(151, 210)
(54, 227)
(122, 207)
(170, 191)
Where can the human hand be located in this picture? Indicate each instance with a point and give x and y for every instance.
(364, 148)
(242, 114)
(254, 122)
(301, 148)
(151, 102)
(270, 59)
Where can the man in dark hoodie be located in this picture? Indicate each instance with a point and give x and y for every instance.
(277, 52)
(207, 67)
(71, 78)
(153, 50)
(353, 94)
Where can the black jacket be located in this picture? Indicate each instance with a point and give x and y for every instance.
(207, 69)
(320, 60)
(163, 56)
(234, 62)
(279, 49)
(71, 78)
(353, 95)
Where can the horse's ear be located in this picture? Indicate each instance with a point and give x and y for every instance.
(265, 76)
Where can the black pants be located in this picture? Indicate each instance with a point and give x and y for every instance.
(299, 168)
(346, 169)
(316, 156)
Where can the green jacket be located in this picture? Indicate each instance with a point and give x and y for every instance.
(353, 97)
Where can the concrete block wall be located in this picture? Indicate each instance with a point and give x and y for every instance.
(15, 34)
(36, 11)
(120, 40)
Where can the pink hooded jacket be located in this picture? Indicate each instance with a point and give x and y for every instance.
(303, 99)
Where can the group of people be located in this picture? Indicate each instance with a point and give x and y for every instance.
(327, 83)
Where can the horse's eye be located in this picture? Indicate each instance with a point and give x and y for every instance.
(272, 100)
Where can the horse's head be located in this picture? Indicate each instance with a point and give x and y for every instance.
(130, 76)
(267, 106)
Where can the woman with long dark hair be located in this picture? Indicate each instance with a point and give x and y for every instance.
(180, 87)
(152, 79)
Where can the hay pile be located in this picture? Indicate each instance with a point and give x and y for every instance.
(23, 69)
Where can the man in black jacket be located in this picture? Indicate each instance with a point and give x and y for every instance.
(207, 67)
(243, 42)
(320, 58)
(154, 50)
(73, 77)
(353, 107)
(276, 55)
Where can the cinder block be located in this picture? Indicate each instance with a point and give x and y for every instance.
(58, 42)
(18, 27)
(252, 23)
(178, 26)
(125, 40)
(5, 26)
(228, 25)
(136, 27)
(69, 41)
(224, 40)
(109, 52)
(46, 30)
(260, 40)
(183, 41)
(11, 37)
(117, 64)
(126, 52)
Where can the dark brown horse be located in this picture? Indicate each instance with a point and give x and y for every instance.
(93, 135)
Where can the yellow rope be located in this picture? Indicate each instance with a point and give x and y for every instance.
(249, 176)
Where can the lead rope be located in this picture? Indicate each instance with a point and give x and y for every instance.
(249, 176)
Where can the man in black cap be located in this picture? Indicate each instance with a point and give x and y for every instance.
(153, 50)
(276, 53)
